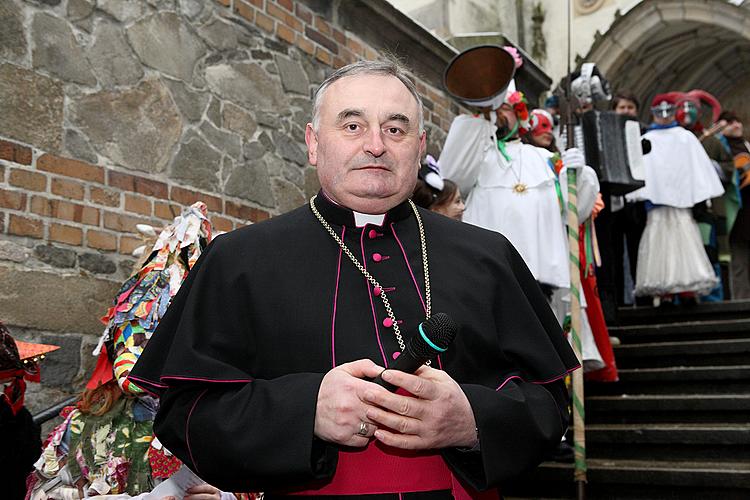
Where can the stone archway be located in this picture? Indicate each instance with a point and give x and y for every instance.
(663, 45)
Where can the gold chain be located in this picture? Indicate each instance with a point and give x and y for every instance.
(373, 281)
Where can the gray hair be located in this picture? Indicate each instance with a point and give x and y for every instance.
(382, 68)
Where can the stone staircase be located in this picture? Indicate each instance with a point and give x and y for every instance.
(677, 425)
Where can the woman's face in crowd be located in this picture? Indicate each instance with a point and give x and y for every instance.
(626, 107)
(454, 208)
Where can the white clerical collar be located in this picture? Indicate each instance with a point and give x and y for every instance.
(361, 219)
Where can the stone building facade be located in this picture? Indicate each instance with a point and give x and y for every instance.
(647, 47)
(120, 112)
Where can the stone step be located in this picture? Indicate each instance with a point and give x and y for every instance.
(638, 479)
(676, 408)
(676, 380)
(683, 330)
(688, 442)
(735, 309)
(687, 353)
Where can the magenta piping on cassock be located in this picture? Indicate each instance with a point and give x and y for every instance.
(413, 279)
(142, 384)
(187, 430)
(211, 380)
(335, 300)
(143, 381)
(372, 304)
(558, 377)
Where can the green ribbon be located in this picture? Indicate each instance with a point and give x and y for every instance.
(558, 189)
(501, 142)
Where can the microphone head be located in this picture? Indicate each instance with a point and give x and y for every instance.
(439, 330)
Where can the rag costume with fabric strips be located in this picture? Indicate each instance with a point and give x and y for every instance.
(106, 446)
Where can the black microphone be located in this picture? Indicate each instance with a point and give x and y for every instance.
(433, 336)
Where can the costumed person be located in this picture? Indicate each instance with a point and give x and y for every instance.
(105, 446)
(514, 188)
(20, 440)
(739, 236)
(599, 358)
(715, 216)
(435, 193)
(283, 385)
(619, 227)
(541, 131)
(678, 175)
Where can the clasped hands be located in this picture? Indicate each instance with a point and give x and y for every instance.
(351, 410)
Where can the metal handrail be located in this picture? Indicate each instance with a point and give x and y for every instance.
(54, 410)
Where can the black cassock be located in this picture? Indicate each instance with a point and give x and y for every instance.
(268, 309)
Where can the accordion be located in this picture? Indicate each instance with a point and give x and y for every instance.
(612, 145)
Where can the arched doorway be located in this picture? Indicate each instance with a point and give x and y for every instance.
(663, 45)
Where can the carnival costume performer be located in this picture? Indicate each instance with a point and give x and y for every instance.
(714, 218)
(20, 441)
(598, 357)
(679, 175)
(512, 188)
(105, 446)
(272, 340)
(520, 191)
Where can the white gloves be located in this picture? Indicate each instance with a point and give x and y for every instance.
(573, 159)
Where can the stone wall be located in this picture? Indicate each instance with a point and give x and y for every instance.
(119, 112)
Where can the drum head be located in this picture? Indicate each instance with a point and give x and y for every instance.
(478, 74)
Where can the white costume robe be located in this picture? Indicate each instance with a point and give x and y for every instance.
(679, 174)
(532, 220)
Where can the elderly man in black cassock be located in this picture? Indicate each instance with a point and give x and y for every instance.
(263, 360)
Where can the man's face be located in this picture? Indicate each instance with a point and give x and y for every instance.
(734, 129)
(626, 107)
(368, 144)
(506, 118)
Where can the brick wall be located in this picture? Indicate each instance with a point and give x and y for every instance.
(82, 206)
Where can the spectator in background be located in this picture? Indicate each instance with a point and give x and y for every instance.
(625, 103)
(739, 237)
(437, 194)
